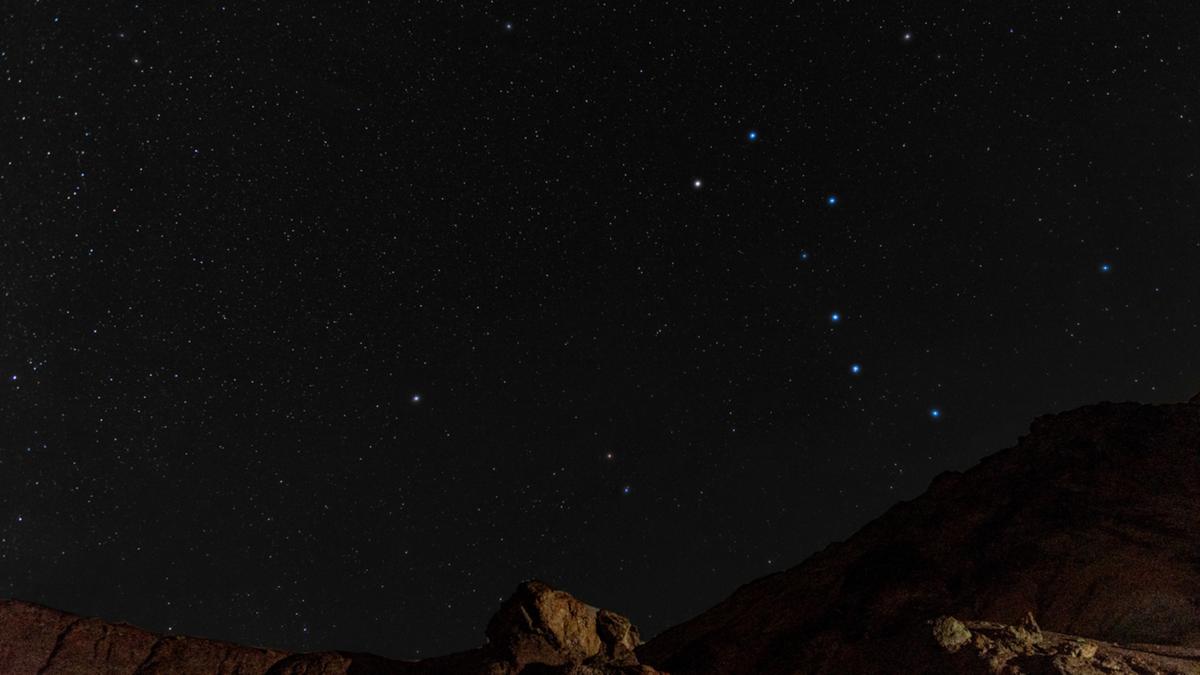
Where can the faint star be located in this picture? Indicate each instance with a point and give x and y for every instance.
(1105, 267)
(508, 26)
(907, 37)
(626, 490)
(804, 255)
(608, 455)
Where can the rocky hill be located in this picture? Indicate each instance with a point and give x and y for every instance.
(1091, 524)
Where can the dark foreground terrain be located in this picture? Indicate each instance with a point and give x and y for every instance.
(1090, 527)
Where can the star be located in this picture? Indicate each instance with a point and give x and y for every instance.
(1105, 268)
(416, 398)
(696, 184)
(835, 317)
(935, 413)
(508, 26)
(804, 255)
(907, 37)
(855, 369)
(608, 456)
(831, 200)
(752, 136)
(626, 490)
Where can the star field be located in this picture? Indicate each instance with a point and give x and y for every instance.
(326, 324)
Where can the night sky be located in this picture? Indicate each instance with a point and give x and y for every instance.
(324, 324)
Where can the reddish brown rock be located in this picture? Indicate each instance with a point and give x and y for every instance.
(539, 630)
(1092, 522)
(541, 625)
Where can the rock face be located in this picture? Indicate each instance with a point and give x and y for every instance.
(538, 630)
(1092, 522)
(985, 648)
(543, 626)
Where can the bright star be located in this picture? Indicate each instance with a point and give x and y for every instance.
(696, 183)
(855, 369)
(935, 413)
(804, 255)
(907, 37)
(626, 490)
(1105, 267)
(416, 398)
(508, 25)
(831, 200)
(752, 136)
(835, 317)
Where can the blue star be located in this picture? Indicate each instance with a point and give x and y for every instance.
(855, 369)
(935, 413)
(752, 136)
(416, 398)
(835, 317)
(1105, 268)
(626, 490)
(831, 200)
(804, 255)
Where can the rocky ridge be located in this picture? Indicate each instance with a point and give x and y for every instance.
(539, 630)
(1092, 522)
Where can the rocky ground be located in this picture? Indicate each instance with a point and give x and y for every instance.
(985, 648)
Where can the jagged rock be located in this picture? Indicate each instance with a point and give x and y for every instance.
(950, 633)
(538, 631)
(1092, 521)
(998, 649)
(541, 625)
(1027, 632)
(619, 636)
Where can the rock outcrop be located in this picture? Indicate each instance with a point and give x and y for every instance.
(985, 648)
(538, 631)
(1092, 522)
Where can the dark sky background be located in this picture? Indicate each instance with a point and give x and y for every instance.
(324, 324)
